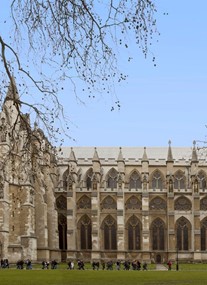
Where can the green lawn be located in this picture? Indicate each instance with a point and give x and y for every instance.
(90, 277)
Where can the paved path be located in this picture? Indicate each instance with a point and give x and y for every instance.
(161, 267)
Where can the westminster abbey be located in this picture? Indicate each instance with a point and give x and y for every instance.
(99, 203)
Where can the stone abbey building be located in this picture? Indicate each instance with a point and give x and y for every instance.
(103, 203)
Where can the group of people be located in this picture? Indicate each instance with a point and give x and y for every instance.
(127, 265)
(46, 264)
(110, 265)
(20, 264)
(96, 265)
(4, 263)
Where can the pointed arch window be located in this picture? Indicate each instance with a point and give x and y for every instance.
(204, 235)
(158, 234)
(108, 203)
(203, 204)
(134, 233)
(110, 233)
(112, 179)
(61, 202)
(135, 181)
(84, 202)
(158, 204)
(183, 233)
(157, 182)
(179, 180)
(201, 180)
(133, 203)
(183, 204)
(85, 233)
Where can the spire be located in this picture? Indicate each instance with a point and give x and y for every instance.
(194, 153)
(96, 162)
(95, 156)
(120, 156)
(12, 92)
(144, 157)
(9, 108)
(169, 155)
(72, 155)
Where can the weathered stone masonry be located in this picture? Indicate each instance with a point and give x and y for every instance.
(127, 203)
(99, 203)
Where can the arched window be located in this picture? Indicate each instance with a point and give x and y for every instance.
(179, 180)
(62, 229)
(85, 233)
(158, 234)
(134, 233)
(108, 203)
(203, 204)
(157, 181)
(84, 202)
(182, 204)
(88, 179)
(157, 203)
(135, 181)
(133, 203)
(61, 202)
(204, 234)
(183, 230)
(112, 179)
(109, 233)
(201, 180)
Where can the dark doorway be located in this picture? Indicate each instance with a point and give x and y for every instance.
(158, 258)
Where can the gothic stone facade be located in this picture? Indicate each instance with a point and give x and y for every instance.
(28, 216)
(98, 204)
(132, 203)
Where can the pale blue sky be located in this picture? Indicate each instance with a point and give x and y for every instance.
(157, 103)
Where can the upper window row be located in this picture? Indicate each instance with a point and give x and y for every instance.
(156, 180)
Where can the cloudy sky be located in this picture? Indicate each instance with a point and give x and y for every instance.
(159, 103)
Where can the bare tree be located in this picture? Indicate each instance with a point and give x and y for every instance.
(76, 40)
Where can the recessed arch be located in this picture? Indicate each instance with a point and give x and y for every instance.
(61, 202)
(201, 180)
(203, 204)
(84, 202)
(203, 234)
(158, 203)
(108, 203)
(156, 180)
(135, 180)
(85, 234)
(133, 227)
(183, 234)
(158, 234)
(133, 203)
(179, 180)
(109, 230)
(111, 178)
(182, 203)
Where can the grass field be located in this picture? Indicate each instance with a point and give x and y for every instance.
(188, 275)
